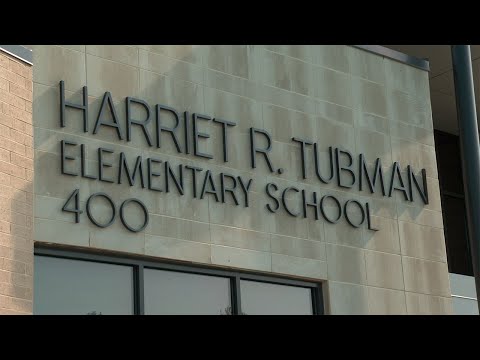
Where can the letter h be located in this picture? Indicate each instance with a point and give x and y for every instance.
(64, 104)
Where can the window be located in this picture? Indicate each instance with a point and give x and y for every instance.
(260, 298)
(74, 282)
(64, 286)
(171, 292)
(450, 178)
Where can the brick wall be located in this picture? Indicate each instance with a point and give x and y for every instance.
(16, 190)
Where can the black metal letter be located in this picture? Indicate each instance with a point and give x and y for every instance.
(102, 164)
(224, 189)
(143, 123)
(145, 214)
(347, 168)
(178, 180)
(277, 203)
(413, 180)
(369, 224)
(402, 188)
(122, 164)
(84, 163)
(64, 157)
(313, 204)
(107, 99)
(303, 144)
(346, 212)
(254, 149)
(208, 179)
(317, 164)
(171, 130)
(64, 104)
(245, 188)
(225, 125)
(284, 200)
(151, 174)
(194, 177)
(322, 201)
(197, 135)
(376, 173)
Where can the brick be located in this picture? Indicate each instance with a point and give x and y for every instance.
(4, 311)
(21, 69)
(4, 155)
(16, 206)
(19, 125)
(29, 129)
(29, 222)
(21, 184)
(5, 120)
(12, 169)
(20, 206)
(13, 146)
(5, 167)
(4, 276)
(28, 140)
(13, 266)
(5, 215)
(3, 84)
(21, 231)
(17, 136)
(28, 175)
(21, 280)
(5, 96)
(9, 192)
(4, 179)
(18, 171)
(29, 152)
(20, 91)
(19, 114)
(19, 219)
(28, 106)
(29, 267)
(17, 102)
(15, 291)
(12, 99)
(4, 130)
(5, 252)
(14, 304)
(5, 227)
(4, 61)
(29, 198)
(25, 257)
(15, 242)
(5, 108)
(22, 161)
(12, 77)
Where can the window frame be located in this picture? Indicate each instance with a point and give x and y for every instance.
(139, 263)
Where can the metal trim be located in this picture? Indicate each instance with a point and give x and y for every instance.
(20, 52)
(464, 297)
(139, 265)
(418, 63)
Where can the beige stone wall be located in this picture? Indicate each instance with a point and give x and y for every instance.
(338, 95)
(16, 186)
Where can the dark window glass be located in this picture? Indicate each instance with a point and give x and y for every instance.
(453, 203)
(74, 287)
(260, 298)
(175, 293)
(458, 249)
(449, 162)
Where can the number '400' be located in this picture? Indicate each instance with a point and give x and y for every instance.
(73, 205)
